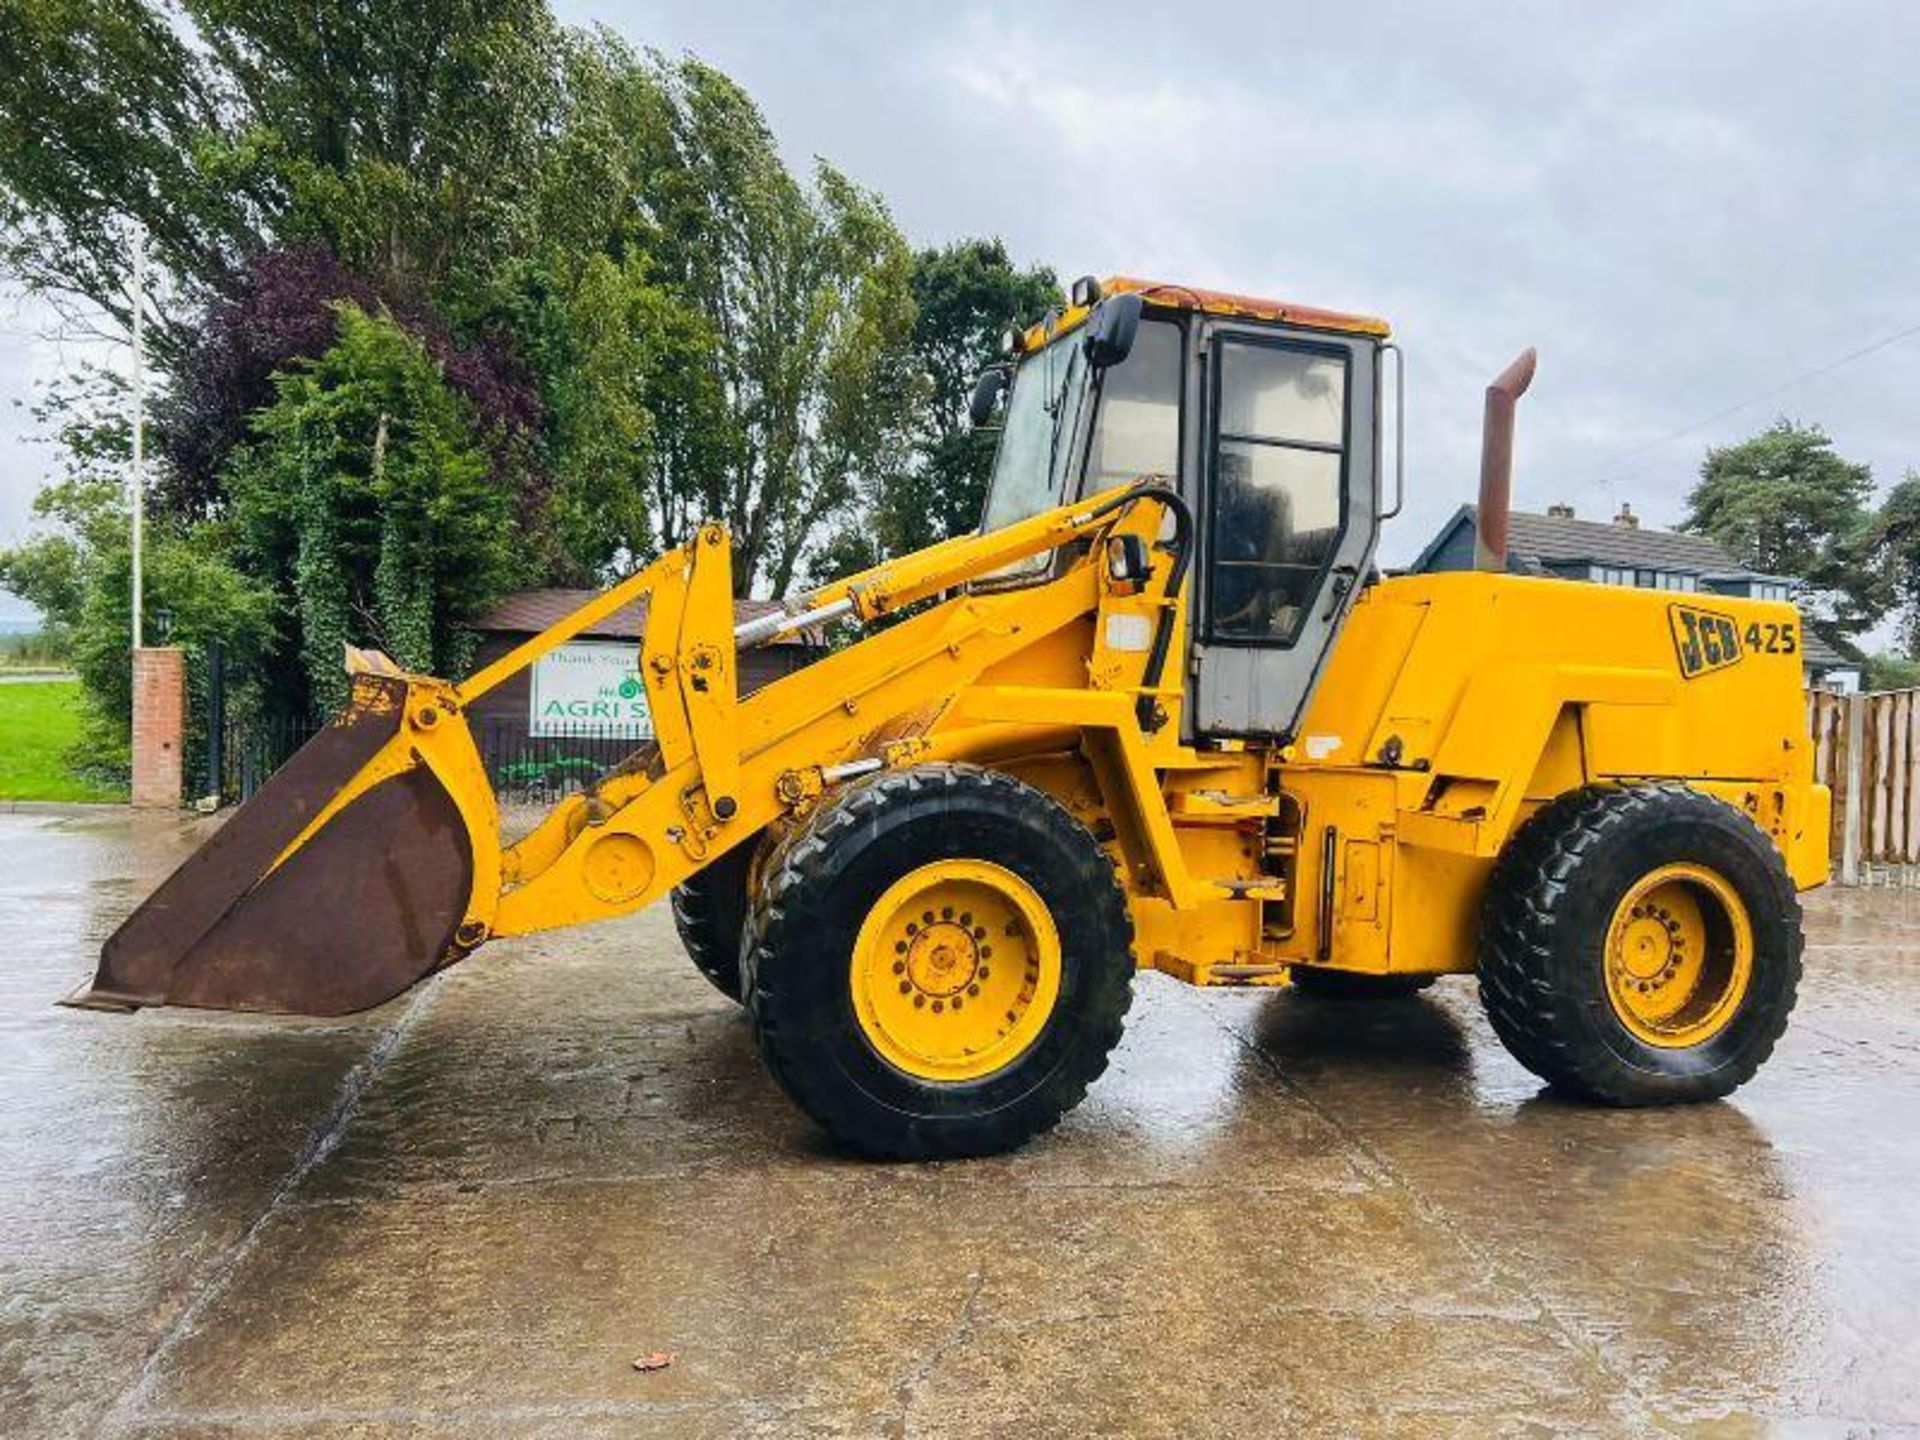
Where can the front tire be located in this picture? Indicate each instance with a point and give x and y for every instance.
(1640, 945)
(939, 964)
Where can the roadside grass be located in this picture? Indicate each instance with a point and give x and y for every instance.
(39, 722)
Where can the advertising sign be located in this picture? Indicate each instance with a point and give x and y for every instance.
(589, 688)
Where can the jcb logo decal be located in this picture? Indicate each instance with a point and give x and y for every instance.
(1705, 641)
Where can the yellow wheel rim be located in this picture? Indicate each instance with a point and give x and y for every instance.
(1679, 956)
(956, 970)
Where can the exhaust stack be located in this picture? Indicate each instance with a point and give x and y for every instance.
(1496, 463)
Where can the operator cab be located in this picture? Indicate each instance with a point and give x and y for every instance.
(1263, 415)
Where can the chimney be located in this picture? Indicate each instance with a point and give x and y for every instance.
(1626, 519)
(1560, 510)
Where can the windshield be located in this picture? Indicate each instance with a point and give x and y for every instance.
(1041, 416)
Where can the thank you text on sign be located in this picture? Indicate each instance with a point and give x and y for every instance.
(590, 689)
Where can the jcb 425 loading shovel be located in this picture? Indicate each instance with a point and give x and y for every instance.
(929, 863)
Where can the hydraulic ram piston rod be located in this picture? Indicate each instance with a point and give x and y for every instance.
(765, 629)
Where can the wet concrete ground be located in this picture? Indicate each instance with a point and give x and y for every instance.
(466, 1213)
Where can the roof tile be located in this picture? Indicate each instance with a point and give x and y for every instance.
(1556, 538)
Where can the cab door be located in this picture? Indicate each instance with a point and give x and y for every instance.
(1289, 517)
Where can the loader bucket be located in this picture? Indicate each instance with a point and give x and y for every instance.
(365, 907)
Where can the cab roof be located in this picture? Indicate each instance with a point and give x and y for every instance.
(1174, 296)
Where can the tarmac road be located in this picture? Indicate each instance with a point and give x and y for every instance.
(469, 1211)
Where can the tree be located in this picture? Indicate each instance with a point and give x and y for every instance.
(280, 309)
(102, 120)
(367, 504)
(283, 308)
(1897, 529)
(1889, 672)
(803, 295)
(78, 571)
(1784, 503)
(596, 334)
(410, 139)
(966, 295)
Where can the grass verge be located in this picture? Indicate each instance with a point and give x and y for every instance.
(39, 722)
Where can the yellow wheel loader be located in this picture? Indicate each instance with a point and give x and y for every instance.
(1160, 712)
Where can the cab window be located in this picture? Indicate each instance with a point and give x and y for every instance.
(1137, 431)
(1278, 465)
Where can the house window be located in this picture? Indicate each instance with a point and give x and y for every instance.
(1664, 580)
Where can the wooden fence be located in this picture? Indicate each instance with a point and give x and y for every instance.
(1867, 748)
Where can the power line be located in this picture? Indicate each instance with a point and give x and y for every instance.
(1612, 471)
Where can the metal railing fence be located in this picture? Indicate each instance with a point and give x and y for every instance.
(524, 768)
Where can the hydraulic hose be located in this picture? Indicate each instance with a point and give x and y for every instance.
(1148, 710)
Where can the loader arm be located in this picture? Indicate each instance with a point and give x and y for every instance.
(375, 857)
(647, 828)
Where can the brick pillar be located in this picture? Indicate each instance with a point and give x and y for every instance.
(159, 726)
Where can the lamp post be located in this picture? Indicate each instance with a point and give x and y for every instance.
(139, 420)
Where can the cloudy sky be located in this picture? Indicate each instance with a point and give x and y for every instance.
(1684, 207)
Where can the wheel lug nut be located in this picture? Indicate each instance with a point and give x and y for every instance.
(918, 1001)
(927, 916)
(946, 912)
(956, 1002)
(913, 928)
(973, 989)
(986, 952)
(984, 973)
(937, 1007)
(899, 967)
(906, 987)
(966, 917)
(979, 932)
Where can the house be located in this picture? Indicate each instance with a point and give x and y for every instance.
(1623, 552)
(589, 688)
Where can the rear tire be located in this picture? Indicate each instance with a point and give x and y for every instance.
(1348, 985)
(710, 912)
(1640, 945)
(900, 1029)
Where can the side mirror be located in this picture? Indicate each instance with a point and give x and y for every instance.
(986, 391)
(1111, 328)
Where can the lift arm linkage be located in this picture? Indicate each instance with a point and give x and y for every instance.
(722, 768)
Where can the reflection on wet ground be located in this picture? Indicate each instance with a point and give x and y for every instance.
(466, 1212)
